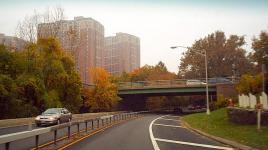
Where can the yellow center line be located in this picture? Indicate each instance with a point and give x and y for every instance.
(64, 137)
(91, 134)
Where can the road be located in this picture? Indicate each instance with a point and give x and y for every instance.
(14, 129)
(151, 132)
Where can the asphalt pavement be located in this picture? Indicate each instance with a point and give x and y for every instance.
(19, 128)
(151, 132)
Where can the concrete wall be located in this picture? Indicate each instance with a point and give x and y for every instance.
(227, 90)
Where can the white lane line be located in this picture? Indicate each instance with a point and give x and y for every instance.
(170, 119)
(194, 144)
(166, 125)
(155, 145)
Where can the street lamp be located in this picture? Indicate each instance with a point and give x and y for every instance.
(206, 67)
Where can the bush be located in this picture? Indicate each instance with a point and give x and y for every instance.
(246, 116)
(221, 102)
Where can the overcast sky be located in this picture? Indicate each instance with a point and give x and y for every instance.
(158, 23)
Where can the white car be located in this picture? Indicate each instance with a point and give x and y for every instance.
(194, 82)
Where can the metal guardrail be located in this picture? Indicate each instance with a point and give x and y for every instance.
(109, 119)
(200, 82)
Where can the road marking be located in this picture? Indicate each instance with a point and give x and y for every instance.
(194, 144)
(169, 119)
(156, 147)
(166, 125)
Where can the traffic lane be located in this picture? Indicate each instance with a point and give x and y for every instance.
(44, 138)
(132, 135)
(175, 146)
(19, 128)
(180, 133)
(171, 134)
(14, 129)
(168, 121)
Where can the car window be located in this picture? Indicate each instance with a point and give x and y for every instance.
(52, 111)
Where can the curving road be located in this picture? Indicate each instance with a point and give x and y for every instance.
(151, 132)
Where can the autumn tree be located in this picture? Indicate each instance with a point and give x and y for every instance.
(260, 51)
(149, 73)
(224, 55)
(104, 96)
(250, 84)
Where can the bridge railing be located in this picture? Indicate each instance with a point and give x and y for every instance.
(200, 82)
(88, 124)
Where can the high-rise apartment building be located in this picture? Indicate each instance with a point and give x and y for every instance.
(121, 53)
(82, 37)
(12, 42)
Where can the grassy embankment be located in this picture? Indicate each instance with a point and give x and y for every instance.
(217, 124)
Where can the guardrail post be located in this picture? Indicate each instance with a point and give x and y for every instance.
(102, 122)
(98, 123)
(55, 137)
(7, 145)
(69, 131)
(78, 128)
(92, 123)
(36, 141)
(86, 125)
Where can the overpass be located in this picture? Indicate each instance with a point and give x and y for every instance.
(177, 87)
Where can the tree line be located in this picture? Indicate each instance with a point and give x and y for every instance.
(39, 77)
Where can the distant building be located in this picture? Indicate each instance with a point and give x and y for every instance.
(121, 53)
(82, 37)
(14, 43)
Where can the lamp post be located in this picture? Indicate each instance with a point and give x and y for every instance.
(206, 68)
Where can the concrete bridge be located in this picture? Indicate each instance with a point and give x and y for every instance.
(174, 88)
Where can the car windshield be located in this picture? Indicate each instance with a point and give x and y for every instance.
(52, 111)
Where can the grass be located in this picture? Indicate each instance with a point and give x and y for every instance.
(217, 124)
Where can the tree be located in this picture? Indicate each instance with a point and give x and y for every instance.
(104, 96)
(250, 84)
(39, 77)
(27, 29)
(260, 50)
(59, 74)
(224, 55)
(149, 73)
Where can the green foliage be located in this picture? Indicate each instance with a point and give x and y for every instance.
(250, 84)
(39, 77)
(221, 102)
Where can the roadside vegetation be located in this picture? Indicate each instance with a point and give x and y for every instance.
(217, 124)
(39, 77)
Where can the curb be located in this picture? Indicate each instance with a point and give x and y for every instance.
(233, 144)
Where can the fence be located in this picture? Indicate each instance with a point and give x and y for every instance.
(200, 82)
